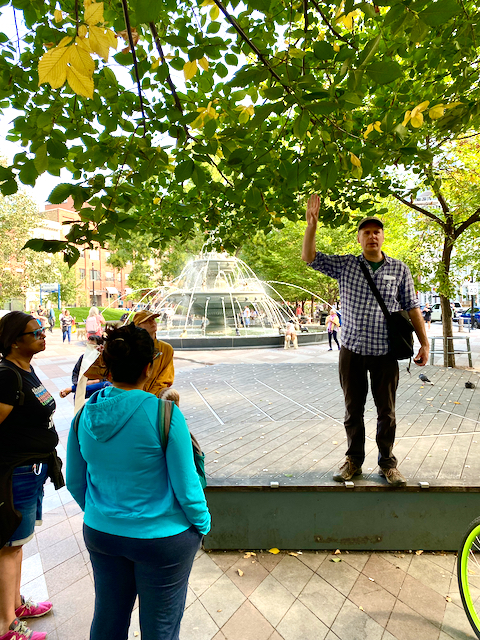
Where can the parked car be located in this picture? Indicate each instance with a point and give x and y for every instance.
(456, 307)
(476, 318)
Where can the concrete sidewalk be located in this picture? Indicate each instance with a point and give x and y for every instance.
(407, 595)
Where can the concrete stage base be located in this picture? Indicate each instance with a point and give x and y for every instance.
(364, 518)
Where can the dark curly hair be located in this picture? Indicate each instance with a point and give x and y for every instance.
(127, 351)
(12, 325)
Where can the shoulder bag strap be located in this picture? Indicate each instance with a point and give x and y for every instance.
(20, 395)
(374, 289)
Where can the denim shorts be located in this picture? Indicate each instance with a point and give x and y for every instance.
(27, 485)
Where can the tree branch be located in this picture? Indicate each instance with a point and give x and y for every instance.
(421, 210)
(176, 99)
(135, 64)
(331, 28)
(475, 217)
(252, 46)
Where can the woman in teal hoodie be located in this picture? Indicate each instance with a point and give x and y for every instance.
(145, 511)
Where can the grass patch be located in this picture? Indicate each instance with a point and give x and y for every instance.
(81, 314)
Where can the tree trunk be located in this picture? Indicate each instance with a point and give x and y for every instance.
(448, 358)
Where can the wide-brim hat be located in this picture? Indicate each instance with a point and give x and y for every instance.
(143, 316)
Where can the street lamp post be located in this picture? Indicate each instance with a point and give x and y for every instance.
(93, 287)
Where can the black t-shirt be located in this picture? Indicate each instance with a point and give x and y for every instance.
(28, 428)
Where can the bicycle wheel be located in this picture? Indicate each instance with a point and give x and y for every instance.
(468, 572)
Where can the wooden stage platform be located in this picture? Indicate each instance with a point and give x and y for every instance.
(273, 436)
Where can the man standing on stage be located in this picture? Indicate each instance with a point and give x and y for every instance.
(365, 345)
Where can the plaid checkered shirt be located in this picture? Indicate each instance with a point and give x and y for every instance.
(364, 329)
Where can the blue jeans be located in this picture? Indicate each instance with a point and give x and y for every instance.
(67, 332)
(155, 569)
(27, 488)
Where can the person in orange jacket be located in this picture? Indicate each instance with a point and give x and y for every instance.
(161, 378)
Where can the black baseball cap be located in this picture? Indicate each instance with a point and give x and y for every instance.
(373, 220)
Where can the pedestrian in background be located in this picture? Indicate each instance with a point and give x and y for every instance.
(66, 321)
(332, 323)
(142, 533)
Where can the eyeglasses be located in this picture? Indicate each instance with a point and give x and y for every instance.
(35, 334)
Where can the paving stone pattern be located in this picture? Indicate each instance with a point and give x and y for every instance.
(365, 596)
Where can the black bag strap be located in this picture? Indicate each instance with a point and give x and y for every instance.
(20, 397)
(374, 289)
(165, 408)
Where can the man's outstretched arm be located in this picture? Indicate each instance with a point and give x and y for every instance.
(308, 249)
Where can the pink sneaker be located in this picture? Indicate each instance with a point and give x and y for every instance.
(20, 631)
(30, 609)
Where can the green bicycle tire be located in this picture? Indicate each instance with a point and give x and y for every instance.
(465, 553)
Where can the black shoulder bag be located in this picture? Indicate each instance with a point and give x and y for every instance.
(399, 326)
(20, 397)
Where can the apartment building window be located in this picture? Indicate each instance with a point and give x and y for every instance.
(95, 275)
(109, 276)
(81, 274)
(119, 277)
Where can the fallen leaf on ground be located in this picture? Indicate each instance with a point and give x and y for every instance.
(337, 552)
(419, 552)
(292, 553)
(371, 579)
(274, 550)
(448, 598)
(335, 559)
(240, 572)
(249, 554)
(361, 608)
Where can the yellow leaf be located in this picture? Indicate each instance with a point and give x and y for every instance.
(406, 120)
(378, 126)
(367, 131)
(190, 69)
(240, 572)
(80, 84)
(336, 48)
(52, 67)
(243, 117)
(58, 15)
(423, 105)
(112, 38)
(155, 64)
(99, 41)
(87, 3)
(156, 200)
(81, 60)
(348, 20)
(82, 31)
(203, 62)
(64, 41)
(206, 3)
(437, 111)
(416, 120)
(453, 105)
(274, 550)
(354, 160)
(94, 13)
(84, 44)
(214, 12)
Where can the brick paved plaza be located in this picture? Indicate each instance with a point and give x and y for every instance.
(289, 596)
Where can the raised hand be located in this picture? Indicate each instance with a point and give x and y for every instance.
(313, 208)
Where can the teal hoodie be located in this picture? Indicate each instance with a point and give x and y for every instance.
(118, 474)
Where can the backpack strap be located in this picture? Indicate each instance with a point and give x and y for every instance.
(76, 419)
(374, 289)
(20, 397)
(165, 408)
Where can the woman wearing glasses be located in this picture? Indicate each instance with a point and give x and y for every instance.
(27, 457)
